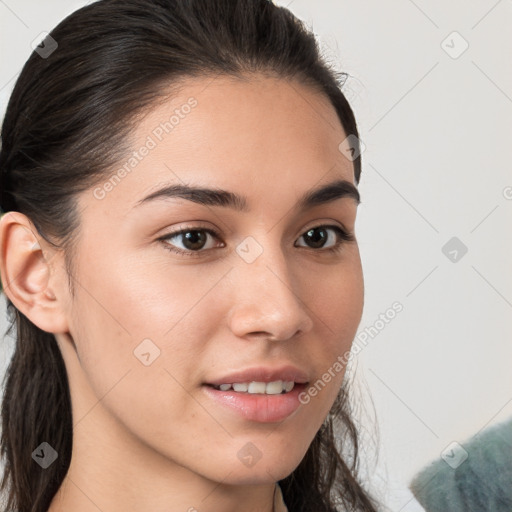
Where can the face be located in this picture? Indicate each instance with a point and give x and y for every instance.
(177, 293)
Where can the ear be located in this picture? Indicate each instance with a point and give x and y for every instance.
(28, 279)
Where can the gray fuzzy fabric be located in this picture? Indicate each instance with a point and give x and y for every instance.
(481, 482)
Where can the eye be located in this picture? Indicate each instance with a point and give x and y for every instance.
(319, 237)
(195, 240)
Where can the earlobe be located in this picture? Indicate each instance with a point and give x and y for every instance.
(26, 273)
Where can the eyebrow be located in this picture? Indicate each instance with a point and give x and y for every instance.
(218, 197)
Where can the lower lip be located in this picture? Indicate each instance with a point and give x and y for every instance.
(259, 407)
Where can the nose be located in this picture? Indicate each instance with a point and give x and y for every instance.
(267, 302)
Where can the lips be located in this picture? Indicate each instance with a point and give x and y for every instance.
(261, 394)
(260, 408)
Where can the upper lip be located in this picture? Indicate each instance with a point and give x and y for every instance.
(263, 374)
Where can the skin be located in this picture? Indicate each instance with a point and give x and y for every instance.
(146, 437)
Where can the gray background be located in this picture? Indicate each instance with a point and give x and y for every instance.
(435, 119)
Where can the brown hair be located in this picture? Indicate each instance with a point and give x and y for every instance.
(112, 59)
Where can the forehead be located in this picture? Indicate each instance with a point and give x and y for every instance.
(258, 135)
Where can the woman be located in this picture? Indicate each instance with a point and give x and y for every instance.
(178, 253)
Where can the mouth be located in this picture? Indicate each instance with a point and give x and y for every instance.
(258, 401)
(264, 394)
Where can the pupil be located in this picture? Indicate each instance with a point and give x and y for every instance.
(317, 240)
(195, 239)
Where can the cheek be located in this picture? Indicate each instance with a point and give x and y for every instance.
(337, 298)
(338, 306)
(118, 324)
(140, 323)
(152, 401)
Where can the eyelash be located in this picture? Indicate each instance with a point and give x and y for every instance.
(343, 236)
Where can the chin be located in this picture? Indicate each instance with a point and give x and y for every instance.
(248, 467)
(265, 470)
(259, 475)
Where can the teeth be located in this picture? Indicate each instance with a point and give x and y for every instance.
(288, 386)
(257, 387)
(272, 388)
(269, 388)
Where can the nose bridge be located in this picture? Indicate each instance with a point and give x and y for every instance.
(267, 299)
